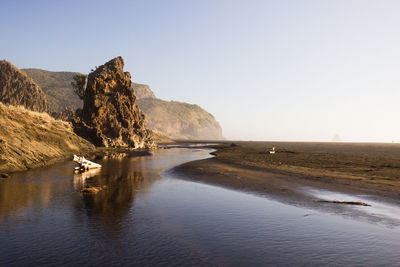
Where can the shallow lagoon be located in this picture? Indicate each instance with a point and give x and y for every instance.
(148, 216)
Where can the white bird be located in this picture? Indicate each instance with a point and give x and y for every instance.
(272, 151)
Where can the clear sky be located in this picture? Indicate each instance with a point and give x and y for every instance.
(267, 70)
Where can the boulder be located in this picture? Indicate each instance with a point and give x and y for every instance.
(110, 116)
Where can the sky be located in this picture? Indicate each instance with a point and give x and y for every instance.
(267, 70)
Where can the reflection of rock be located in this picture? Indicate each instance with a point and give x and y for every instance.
(120, 192)
(115, 155)
(120, 153)
(80, 178)
(110, 116)
(92, 190)
(122, 178)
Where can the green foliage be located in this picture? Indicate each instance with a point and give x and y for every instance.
(79, 84)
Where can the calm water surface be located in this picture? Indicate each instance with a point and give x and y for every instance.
(147, 216)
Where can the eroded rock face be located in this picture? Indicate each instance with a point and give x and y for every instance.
(16, 88)
(110, 116)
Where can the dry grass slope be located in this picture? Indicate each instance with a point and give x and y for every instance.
(31, 139)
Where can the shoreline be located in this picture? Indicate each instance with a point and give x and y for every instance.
(97, 153)
(287, 182)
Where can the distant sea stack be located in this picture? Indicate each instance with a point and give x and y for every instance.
(110, 116)
(16, 88)
(337, 138)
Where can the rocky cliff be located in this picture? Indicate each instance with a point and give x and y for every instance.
(110, 116)
(177, 120)
(16, 88)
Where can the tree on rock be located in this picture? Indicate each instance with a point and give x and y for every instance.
(79, 84)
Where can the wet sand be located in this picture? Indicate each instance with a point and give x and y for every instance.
(297, 166)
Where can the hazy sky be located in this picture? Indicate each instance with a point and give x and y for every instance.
(267, 70)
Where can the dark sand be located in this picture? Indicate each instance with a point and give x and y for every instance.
(351, 168)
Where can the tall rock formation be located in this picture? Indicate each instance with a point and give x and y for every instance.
(174, 119)
(16, 88)
(110, 116)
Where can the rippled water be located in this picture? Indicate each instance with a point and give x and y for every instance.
(147, 216)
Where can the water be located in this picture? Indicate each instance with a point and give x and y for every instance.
(147, 216)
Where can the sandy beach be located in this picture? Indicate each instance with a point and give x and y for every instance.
(287, 174)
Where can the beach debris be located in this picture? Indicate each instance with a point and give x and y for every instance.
(272, 151)
(85, 164)
(358, 203)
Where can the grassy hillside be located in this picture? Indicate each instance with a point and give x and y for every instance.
(57, 87)
(40, 139)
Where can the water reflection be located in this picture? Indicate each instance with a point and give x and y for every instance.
(106, 211)
(32, 188)
(81, 177)
(142, 218)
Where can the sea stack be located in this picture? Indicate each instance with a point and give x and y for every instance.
(17, 89)
(110, 116)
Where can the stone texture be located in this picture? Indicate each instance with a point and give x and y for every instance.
(110, 116)
(16, 88)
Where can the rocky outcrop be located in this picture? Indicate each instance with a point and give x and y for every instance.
(179, 120)
(16, 88)
(142, 91)
(110, 116)
(176, 120)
